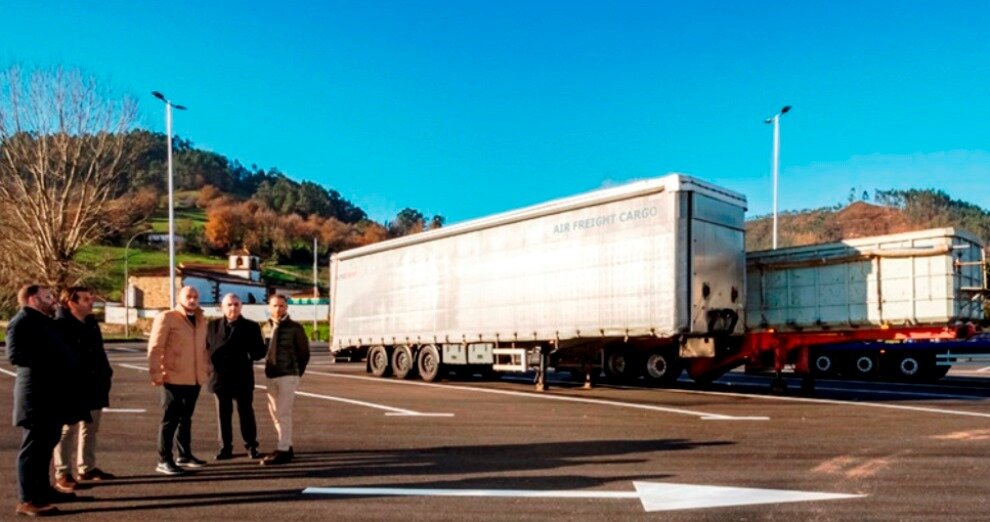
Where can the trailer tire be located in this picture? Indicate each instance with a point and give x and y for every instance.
(823, 364)
(620, 364)
(379, 362)
(662, 368)
(429, 363)
(864, 365)
(403, 362)
(909, 367)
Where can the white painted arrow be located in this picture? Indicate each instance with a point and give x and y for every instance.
(655, 496)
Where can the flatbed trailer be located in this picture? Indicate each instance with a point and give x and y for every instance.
(863, 352)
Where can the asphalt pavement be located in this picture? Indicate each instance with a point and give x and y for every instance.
(470, 449)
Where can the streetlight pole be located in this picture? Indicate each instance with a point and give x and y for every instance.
(127, 297)
(775, 120)
(171, 197)
(316, 294)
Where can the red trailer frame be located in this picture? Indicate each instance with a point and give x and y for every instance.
(793, 347)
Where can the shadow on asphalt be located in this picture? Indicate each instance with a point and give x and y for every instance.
(330, 467)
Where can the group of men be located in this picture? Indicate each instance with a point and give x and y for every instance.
(185, 352)
(64, 378)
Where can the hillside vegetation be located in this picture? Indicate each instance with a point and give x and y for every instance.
(890, 212)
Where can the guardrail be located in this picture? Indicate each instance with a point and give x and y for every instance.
(951, 359)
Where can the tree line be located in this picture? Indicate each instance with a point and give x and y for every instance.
(76, 171)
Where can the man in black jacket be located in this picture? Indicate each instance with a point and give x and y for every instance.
(234, 343)
(44, 396)
(79, 329)
(285, 363)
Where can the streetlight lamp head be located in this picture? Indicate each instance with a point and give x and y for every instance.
(768, 120)
(179, 107)
(785, 109)
(159, 95)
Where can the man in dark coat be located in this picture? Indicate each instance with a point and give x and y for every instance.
(234, 343)
(44, 396)
(285, 364)
(79, 329)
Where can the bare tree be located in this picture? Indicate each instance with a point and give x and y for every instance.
(62, 154)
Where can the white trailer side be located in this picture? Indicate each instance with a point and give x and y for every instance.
(657, 259)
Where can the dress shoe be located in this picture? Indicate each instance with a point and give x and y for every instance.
(254, 453)
(277, 457)
(64, 483)
(33, 509)
(96, 474)
(169, 468)
(225, 454)
(190, 461)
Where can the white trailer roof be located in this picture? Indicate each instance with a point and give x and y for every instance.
(673, 182)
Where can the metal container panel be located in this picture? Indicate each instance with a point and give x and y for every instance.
(925, 277)
(612, 262)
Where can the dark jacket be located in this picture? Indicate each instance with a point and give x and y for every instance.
(45, 390)
(232, 353)
(95, 374)
(288, 349)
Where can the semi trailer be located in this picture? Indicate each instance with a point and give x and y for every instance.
(639, 281)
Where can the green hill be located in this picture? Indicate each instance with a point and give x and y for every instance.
(104, 267)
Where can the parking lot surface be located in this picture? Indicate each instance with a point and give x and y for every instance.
(470, 449)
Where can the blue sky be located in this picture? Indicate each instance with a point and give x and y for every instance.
(467, 108)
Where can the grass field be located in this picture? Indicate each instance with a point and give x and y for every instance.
(183, 216)
(106, 265)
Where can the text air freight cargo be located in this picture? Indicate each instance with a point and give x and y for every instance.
(628, 277)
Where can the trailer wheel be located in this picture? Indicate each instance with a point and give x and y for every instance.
(378, 361)
(909, 367)
(823, 364)
(430, 365)
(864, 365)
(663, 368)
(403, 362)
(620, 364)
(919, 368)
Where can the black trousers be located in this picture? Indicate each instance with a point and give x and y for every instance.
(245, 413)
(178, 405)
(38, 441)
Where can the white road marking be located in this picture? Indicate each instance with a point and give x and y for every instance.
(839, 402)
(654, 496)
(391, 412)
(8, 372)
(397, 412)
(700, 414)
(124, 410)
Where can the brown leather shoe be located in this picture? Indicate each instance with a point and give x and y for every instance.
(277, 457)
(36, 510)
(96, 474)
(65, 483)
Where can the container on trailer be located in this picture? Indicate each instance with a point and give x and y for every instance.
(929, 277)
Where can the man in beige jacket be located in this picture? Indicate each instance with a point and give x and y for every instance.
(178, 362)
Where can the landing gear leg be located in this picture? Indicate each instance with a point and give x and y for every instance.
(778, 386)
(541, 374)
(587, 376)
